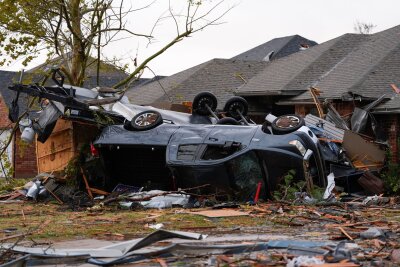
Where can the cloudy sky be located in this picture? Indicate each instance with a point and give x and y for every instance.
(248, 24)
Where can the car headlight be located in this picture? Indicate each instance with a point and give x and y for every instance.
(299, 146)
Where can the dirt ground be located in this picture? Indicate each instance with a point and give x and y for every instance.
(51, 222)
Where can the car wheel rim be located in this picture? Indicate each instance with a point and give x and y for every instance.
(287, 122)
(146, 119)
(205, 101)
(236, 108)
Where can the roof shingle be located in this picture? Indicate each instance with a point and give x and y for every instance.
(219, 76)
(355, 64)
(280, 47)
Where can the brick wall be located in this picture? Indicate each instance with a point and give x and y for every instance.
(301, 110)
(4, 121)
(25, 163)
(391, 127)
(24, 156)
(344, 109)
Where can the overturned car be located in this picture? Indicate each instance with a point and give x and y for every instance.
(163, 149)
(233, 159)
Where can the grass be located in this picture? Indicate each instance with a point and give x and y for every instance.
(54, 222)
(9, 185)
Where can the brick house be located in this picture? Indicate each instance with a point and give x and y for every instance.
(22, 156)
(219, 76)
(351, 70)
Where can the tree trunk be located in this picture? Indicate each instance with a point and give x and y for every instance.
(78, 57)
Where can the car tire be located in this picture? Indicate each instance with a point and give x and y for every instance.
(146, 120)
(201, 100)
(235, 104)
(287, 124)
(228, 121)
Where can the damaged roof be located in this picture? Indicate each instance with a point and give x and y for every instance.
(280, 47)
(7, 78)
(218, 76)
(352, 64)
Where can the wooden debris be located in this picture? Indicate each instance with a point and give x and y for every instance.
(345, 233)
(92, 190)
(162, 262)
(220, 213)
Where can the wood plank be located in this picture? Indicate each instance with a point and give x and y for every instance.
(63, 144)
(62, 125)
(54, 143)
(56, 163)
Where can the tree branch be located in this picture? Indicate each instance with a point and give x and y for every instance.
(147, 60)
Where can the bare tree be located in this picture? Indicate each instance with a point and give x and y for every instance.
(192, 21)
(76, 30)
(363, 28)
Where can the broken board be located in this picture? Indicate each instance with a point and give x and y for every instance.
(366, 153)
(220, 213)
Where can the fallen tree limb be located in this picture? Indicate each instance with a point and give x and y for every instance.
(14, 236)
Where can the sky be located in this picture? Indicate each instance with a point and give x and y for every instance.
(248, 24)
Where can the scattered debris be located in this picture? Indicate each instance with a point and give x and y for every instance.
(304, 261)
(346, 233)
(359, 119)
(324, 178)
(372, 233)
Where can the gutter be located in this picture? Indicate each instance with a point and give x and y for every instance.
(258, 93)
(289, 103)
(386, 111)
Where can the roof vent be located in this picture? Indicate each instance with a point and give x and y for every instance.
(304, 47)
(269, 56)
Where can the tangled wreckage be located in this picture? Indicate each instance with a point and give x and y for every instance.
(161, 149)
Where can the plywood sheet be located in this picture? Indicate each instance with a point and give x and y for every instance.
(56, 152)
(359, 149)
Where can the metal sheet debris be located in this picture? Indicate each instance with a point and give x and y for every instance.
(111, 251)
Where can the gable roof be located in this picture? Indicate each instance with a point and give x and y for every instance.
(280, 47)
(7, 78)
(109, 74)
(152, 91)
(352, 64)
(218, 76)
(274, 78)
